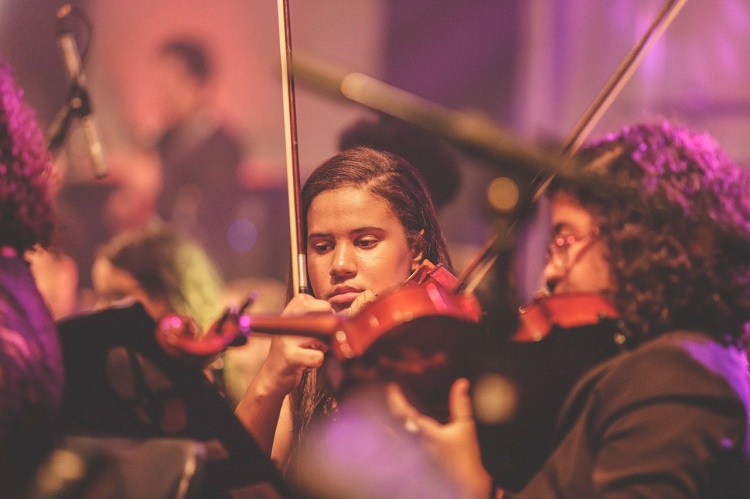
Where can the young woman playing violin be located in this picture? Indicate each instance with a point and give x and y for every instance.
(369, 223)
(669, 248)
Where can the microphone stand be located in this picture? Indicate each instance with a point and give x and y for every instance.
(78, 105)
(79, 101)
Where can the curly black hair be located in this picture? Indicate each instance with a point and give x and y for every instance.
(26, 214)
(677, 230)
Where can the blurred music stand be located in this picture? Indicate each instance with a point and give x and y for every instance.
(168, 399)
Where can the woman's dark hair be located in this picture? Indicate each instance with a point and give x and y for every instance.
(26, 214)
(426, 151)
(397, 182)
(392, 178)
(677, 230)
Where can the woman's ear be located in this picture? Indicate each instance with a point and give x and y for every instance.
(417, 249)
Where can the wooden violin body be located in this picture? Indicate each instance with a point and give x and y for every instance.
(566, 310)
(421, 337)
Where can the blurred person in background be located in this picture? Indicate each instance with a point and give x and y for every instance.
(164, 270)
(199, 157)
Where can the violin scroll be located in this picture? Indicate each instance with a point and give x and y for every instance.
(429, 272)
(181, 337)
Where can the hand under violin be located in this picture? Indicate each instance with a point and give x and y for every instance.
(452, 446)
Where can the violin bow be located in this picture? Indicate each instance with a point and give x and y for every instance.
(298, 256)
(475, 271)
(616, 82)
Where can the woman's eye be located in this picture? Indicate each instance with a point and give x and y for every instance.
(321, 247)
(367, 242)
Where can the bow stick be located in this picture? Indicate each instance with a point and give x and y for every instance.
(299, 260)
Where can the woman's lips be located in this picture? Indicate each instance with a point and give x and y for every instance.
(343, 298)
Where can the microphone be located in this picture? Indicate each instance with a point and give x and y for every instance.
(79, 102)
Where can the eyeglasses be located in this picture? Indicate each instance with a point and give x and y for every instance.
(558, 252)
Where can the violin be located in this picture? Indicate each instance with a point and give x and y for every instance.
(558, 340)
(566, 310)
(418, 335)
(424, 293)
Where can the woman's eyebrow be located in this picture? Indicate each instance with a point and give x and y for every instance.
(318, 234)
(358, 230)
(368, 228)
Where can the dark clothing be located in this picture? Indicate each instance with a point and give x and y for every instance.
(669, 419)
(31, 377)
(200, 194)
(121, 383)
(542, 374)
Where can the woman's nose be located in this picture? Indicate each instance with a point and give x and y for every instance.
(344, 260)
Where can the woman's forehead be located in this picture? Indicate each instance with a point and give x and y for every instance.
(349, 207)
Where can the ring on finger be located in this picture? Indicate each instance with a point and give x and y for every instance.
(411, 426)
